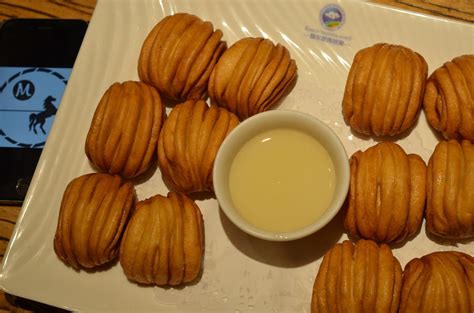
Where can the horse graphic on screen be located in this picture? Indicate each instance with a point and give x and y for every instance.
(40, 118)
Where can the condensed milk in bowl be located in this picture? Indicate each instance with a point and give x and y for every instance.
(281, 175)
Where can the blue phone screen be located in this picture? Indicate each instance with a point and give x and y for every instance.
(29, 99)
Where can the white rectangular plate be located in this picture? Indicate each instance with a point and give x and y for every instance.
(240, 273)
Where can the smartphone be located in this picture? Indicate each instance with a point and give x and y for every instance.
(36, 60)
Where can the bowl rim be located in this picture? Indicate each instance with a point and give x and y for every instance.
(227, 152)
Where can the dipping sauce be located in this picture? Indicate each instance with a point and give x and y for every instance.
(282, 180)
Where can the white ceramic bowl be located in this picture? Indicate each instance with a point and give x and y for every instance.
(267, 121)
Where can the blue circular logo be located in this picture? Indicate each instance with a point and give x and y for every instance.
(332, 17)
(29, 98)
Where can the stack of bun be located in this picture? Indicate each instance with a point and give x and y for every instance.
(449, 98)
(93, 215)
(361, 277)
(438, 282)
(124, 131)
(384, 90)
(188, 144)
(390, 191)
(251, 76)
(178, 56)
(163, 243)
(182, 59)
(160, 240)
(450, 190)
(387, 193)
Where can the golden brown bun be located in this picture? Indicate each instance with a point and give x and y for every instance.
(450, 190)
(124, 130)
(439, 282)
(251, 76)
(164, 241)
(384, 90)
(188, 144)
(178, 56)
(363, 277)
(386, 195)
(94, 211)
(449, 98)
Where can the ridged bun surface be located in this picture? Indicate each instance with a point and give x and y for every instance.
(384, 90)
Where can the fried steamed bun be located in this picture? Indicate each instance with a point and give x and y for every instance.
(94, 211)
(178, 56)
(386, 195)
(384, 90)
(188, 144)
(363, 277)
(449, 98)
(164, 241)
(251, 76)
(124, 130)
(450, 190)
(438, 282)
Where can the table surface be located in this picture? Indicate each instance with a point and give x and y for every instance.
(456, 9)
